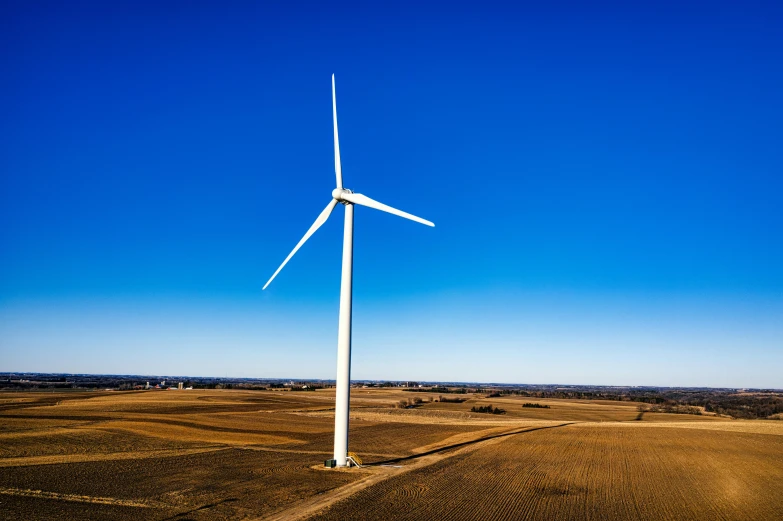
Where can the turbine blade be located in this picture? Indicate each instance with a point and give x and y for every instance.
(338, 167)
(366, 201)
(317, 224)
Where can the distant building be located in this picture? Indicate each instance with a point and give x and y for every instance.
(180, 386)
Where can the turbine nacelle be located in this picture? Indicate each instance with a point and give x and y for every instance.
(337, 195)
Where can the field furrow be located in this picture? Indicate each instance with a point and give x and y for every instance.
(220, 454)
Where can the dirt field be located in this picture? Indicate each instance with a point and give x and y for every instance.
(259, 455)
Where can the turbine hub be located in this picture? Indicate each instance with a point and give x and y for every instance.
(337, 194)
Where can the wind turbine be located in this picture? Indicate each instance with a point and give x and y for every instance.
(348, 199)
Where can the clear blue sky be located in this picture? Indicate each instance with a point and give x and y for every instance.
(605, 182)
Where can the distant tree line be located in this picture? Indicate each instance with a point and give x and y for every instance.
(443, 399)
(487, 409)
(750, 405)
(671, 409)
(411, 403)
(443, 390)
(746, 407)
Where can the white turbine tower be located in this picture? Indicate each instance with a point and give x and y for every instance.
(347, 198)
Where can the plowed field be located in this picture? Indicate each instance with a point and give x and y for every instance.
(258, 455)
(589, 472)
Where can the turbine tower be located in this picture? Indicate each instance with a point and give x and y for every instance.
(348, 199)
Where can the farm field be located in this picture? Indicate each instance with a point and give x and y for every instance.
(228, 454)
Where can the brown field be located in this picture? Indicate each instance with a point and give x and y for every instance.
(259, 454)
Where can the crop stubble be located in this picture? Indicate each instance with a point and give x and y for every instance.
(235, 454)
(584, 471)
(206, 455)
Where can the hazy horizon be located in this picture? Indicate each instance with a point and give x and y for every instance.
(268, 338)
(360, 380)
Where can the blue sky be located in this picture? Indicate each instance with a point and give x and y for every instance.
(605, 182)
